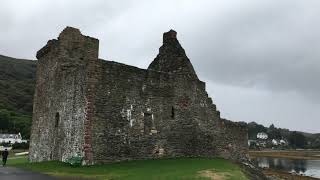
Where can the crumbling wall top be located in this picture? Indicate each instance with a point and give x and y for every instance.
(240, 125)
(68, 38)
(70, 33)
(43, 51)
(169, 36)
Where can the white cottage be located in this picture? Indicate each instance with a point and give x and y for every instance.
(11, 138)
(275, 142)
(262, 136)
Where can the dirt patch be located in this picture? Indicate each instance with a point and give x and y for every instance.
(212, 174)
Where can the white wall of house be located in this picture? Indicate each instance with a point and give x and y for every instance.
(262, 135)
(11, 138)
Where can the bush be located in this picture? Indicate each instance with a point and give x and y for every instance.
(75, 160)
(20, 146)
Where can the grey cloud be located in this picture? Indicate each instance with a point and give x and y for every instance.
(29, 24)
(255, 55)
(267, 48)
(285, 109)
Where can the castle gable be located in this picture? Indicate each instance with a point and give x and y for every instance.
(172, 57)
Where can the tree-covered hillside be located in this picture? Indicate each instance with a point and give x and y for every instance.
(17, 80)
(295, 139)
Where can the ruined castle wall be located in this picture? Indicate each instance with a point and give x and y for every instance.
(107, 111)
(127, 105)
(60, 97)
(147, 114)
(233, 140)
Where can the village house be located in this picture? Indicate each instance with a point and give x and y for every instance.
(11, 138)
(262, 135)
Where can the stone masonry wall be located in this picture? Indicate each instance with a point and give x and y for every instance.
(233, 139)
(147, 114)
(164, 111)
(61, 103)
(107, 111)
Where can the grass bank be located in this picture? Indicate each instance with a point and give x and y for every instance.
(182, 168)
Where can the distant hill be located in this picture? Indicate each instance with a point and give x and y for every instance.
(17, 81)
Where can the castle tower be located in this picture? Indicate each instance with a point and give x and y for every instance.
(63, 97)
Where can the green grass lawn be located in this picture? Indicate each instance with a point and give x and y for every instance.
(182, 168)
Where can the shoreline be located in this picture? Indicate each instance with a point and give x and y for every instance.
(277, 174)
(290, 154)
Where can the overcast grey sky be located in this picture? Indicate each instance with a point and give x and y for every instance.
(259, 58)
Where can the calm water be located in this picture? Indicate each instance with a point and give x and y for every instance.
(303, 167)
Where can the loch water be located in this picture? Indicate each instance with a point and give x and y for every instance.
(297, 166)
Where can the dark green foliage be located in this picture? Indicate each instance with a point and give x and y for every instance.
(5, 144)
(75, 161)
(274, 133)
(20, 146)
(17, 81)
(254, 129)
(297, 140)
(12, 122)
(4, 119)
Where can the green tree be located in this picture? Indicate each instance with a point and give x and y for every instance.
(297, 140)
(12, 122)
(274, 133)
(254, 129)
(4, 120)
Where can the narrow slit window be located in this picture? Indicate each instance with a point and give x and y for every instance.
(57, 120)
(172, 112)
(147, 122)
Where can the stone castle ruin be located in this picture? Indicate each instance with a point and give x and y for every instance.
(107, 111)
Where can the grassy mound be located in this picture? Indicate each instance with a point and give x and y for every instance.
(182, 168)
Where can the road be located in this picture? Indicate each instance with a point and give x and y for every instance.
(11, 173)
